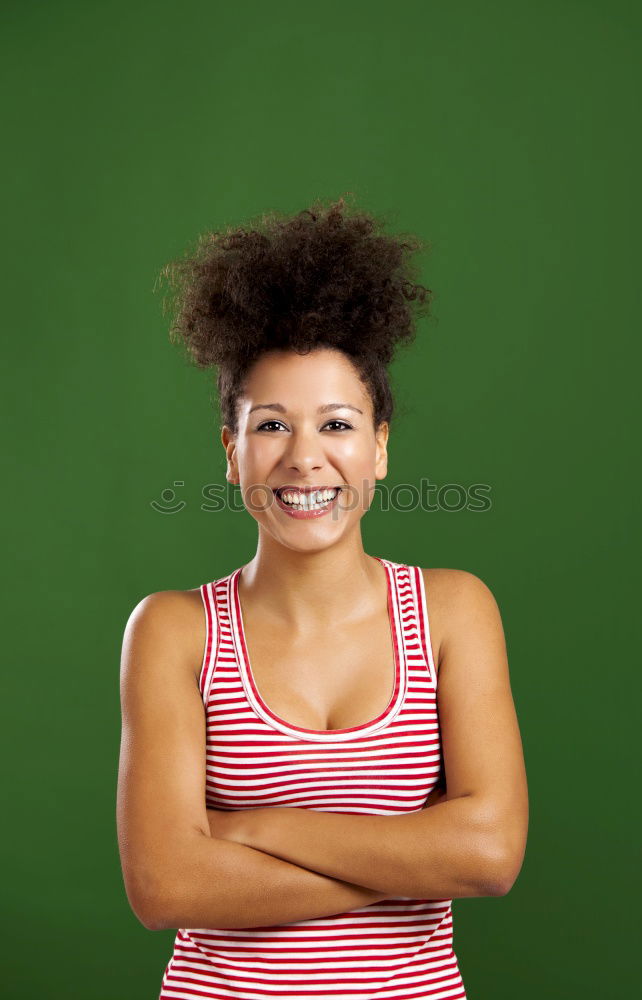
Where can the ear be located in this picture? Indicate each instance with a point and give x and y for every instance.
(228, 440)
(381, 455)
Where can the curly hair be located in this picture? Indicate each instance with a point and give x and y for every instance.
(325, 277)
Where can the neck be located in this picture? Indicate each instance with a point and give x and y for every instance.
(304, 590)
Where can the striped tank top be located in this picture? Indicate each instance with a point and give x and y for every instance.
(399, 947)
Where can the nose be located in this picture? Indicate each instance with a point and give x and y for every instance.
(304, 453)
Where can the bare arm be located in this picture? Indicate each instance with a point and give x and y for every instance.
(471, 844)
(443, 853)
(258, 890)
(176, 874)
(268, 891)
(238, 886)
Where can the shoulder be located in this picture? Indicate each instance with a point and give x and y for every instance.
(456, 585)
(454, 598)
(169, 610)
(170, 620)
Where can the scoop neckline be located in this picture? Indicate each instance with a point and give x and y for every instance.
(260, 706)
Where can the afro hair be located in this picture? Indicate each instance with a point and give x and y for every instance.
(325, 277)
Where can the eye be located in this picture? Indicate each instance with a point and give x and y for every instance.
(344, 425)
(341, 423)
(266, 422)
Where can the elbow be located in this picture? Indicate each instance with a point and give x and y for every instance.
(167, 901)
(508, 876)
(501, 868)
(501, 842)
(150, 901)
(151, 923)
(501, 886)
(159, 912)
(157, 880)
(152, 914)
(146, 907)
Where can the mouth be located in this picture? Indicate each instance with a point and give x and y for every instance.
(309, 501)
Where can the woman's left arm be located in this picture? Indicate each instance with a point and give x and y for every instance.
(471, 843)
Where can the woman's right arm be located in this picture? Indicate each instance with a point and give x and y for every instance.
(175, 873)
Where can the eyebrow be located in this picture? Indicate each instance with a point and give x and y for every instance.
(322, 409)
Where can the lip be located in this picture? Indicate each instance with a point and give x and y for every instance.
(304, 515)
(305, 489)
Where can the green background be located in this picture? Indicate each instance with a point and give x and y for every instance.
(506, 135)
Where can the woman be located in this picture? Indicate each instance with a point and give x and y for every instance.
(286, 727)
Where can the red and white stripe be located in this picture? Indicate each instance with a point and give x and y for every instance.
(397, 948)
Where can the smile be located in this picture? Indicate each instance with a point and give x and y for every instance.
(299, 504)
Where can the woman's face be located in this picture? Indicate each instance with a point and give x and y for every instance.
(305, 421)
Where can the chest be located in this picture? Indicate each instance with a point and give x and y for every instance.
(334, 679)
(342, 677)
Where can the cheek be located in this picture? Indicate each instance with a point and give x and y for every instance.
(356, 462)
(357, 459)
(257, 499)
(258, 454)
(354, 449)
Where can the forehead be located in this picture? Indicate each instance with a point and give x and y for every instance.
(304, 381)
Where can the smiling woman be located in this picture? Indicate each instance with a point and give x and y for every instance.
(299, 794)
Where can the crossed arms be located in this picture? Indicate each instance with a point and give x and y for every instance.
(261, 867)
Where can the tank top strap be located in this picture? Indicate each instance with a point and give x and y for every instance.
(424, 621)
(411, 595)
(216, 621)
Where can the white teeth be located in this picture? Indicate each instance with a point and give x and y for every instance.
(309, 501)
